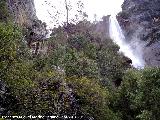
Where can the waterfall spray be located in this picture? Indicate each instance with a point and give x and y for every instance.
(117, 35)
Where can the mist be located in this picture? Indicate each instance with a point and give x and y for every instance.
(133, 49)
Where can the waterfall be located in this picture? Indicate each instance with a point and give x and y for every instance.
(117, 35)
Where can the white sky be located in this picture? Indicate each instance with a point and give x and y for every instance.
(91, 7)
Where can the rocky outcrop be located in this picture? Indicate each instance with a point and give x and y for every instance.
(140, 21)
(102, 27)
(23, 11)
(24, 14)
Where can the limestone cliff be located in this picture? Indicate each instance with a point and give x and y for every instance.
(140, 21)
(23, 13)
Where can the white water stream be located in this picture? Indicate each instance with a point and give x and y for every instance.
(117, 35)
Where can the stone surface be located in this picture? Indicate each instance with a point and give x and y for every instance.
(102, 27)
(140, 20)
(24, 14)
(23, 11)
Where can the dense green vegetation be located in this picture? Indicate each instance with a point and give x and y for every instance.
(138, 96)
(80, 75)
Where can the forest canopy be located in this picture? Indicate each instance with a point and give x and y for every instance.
(76, 72)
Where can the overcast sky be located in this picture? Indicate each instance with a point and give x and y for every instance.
(46, 10)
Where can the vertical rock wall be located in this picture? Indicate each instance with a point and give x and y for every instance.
(23, 11)
(140, 21)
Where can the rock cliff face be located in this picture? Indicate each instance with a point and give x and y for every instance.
(140, 21)
(23, 11)
(102, 27)
(24, 14)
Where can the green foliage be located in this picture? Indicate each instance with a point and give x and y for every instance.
(92, 98)
(138, 97)
(32, 83)
(15, 71)
(9, 36)
(86, 53)
(68, 79)
(79, 65)
(111, 64)
(75, 77)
